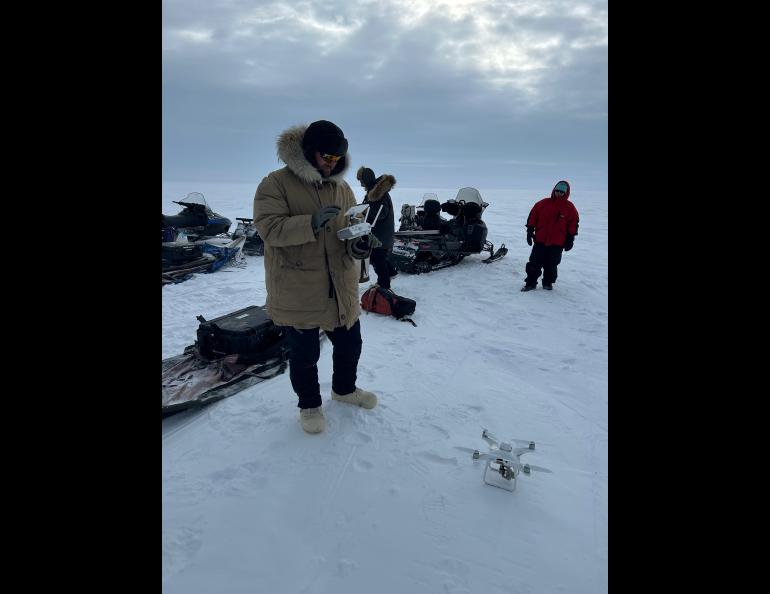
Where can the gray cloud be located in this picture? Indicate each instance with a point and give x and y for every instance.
(446, 86)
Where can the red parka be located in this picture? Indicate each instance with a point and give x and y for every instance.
(553, 219)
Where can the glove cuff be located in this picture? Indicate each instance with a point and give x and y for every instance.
(356, 253)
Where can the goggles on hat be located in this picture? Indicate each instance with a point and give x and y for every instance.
(561, 187)
(329, 158)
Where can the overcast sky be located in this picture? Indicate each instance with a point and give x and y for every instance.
(491, 94)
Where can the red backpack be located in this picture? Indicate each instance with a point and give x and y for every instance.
(386, 302)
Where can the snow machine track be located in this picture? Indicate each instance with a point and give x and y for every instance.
(425, 265)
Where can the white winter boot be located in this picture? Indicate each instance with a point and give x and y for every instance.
(312, 419)
(358, 397)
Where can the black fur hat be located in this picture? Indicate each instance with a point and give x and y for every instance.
(324, 137)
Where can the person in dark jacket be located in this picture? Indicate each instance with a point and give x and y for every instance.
(552, 225)
(377, 196)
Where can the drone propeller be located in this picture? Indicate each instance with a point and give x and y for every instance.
(469, 450)
(495, 453)
(515, 466)
(525, 468)
(495, 457)
(526, 442)
(477, 454)
(491, 439)
(520, 451)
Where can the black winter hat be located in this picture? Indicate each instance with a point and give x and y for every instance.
(366, 177)
(324, 137)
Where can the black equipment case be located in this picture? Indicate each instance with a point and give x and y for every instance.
(180, 252)
(246, 331)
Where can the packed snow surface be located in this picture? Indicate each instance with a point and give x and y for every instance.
(383, 501)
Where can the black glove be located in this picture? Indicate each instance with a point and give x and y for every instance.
(530, 235)
(569, 242)
(320, 218)
(361, 248)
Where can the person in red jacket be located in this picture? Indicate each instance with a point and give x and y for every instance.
(552, 225)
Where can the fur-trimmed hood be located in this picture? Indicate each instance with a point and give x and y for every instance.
(289, 148)
(382, 186)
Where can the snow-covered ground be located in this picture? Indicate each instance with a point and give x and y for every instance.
(383, 502)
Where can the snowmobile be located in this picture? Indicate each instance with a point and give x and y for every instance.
(196, 220)
(254, 246)
(194, 238)
(426, 241)
(182, 259)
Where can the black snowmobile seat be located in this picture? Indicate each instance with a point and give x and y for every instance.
(432, 219)
(432, 207)
(472, 211)
(451, 208)
(185, 220)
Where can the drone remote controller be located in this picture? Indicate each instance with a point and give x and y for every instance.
(357, 225)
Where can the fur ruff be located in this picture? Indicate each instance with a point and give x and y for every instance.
(383, 185)
(289, 148)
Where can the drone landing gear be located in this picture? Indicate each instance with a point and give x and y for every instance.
(500, 473)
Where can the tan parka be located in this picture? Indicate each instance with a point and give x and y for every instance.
(311, 281)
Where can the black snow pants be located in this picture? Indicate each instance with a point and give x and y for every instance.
(379, 260)
(543, 258)
(305, 350)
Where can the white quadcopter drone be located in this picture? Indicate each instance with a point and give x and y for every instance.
(503, 461)
(357, 225)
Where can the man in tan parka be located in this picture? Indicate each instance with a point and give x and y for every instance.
(311, 276)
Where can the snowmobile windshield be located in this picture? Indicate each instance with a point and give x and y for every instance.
(469, 195)
(194, 198)
(429, 196)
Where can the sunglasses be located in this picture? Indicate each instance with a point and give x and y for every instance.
(331, 158)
